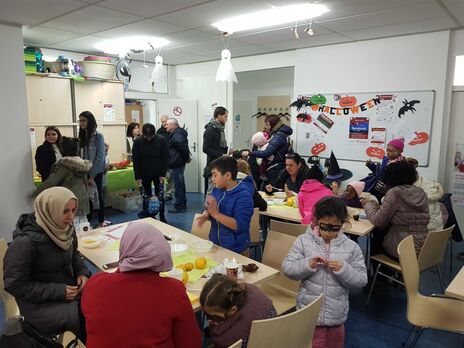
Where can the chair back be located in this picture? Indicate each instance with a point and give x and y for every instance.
(200, 231)
(288, 228)
(291, 330)
(409, 268)
(255, 238)
(237, 344)
(11, 308)
(434, 248)
(275, 250)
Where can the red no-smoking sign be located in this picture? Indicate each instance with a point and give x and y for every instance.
(177, 111)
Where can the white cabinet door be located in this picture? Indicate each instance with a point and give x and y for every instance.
(186, 113)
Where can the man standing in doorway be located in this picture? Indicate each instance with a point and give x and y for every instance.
(179, 155)
(168, 182)
(214, 140)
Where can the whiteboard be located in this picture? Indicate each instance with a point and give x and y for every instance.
(358, 126)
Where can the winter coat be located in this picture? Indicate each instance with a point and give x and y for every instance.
(377, 170)
(45, 157)
(138, 309)
(278, 147)
(285, 179)
(404, 211)
(322, 280)
(310, 193)
(150, 157)
(95, 153)
(70, 172)
(212, 142)
(36, 270)
(434, 192)
(257, 306)
(164, 133)
(237, 203)
(258, 201)
(178, 147)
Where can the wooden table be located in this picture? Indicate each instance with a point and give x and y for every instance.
(103, 255)
(456, 287)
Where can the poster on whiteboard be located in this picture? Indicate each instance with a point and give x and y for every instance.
(358, 126)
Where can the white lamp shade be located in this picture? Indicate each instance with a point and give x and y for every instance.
(225, 71)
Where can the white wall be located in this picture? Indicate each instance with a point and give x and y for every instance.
(392, 64)
(16, 169)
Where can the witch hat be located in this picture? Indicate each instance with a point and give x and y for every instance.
(334, 173)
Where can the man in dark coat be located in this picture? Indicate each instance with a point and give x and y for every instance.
(214, 140)
(179, 155)
(168, 182)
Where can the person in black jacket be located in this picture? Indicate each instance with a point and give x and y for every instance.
(179, 155)
(168, 182)
(49, 152)
(151, 158)
(214, 140)
(42, 267)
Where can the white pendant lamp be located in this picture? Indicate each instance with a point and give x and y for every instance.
(225, 71)
(159, 78)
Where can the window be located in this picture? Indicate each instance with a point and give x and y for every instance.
(459, 71)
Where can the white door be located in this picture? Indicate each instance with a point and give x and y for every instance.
(242, 125)
(186, 113)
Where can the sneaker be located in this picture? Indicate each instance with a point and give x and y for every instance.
(175, 210)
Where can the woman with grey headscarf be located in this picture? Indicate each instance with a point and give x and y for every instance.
(135, 306)
(42, 267)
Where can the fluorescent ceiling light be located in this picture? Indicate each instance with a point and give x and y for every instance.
(270, 18)
(123, 45)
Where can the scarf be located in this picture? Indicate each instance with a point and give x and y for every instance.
(143, 247)
(277, 126)
(221, 127)
(49, 207)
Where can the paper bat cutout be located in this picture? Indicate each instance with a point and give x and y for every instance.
(300, 102)
(408, 106)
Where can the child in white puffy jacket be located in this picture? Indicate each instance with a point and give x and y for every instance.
(261, 140)
(326, 261)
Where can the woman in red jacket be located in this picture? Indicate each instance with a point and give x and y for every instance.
(135, 307)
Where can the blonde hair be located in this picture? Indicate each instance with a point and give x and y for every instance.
(243, 167)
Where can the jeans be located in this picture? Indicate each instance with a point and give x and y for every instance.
(179, 188)
(101, 200)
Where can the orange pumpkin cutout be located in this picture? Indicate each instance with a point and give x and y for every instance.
(347, 101)
(318, 148)
(375, 152)
(421, 138)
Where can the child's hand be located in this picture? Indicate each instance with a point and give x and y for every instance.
(211, 205)
(335, 186)
(268, 187)
(334, 265)
(202, 218)
(317, 261)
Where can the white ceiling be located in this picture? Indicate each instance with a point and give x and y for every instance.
(77, 25)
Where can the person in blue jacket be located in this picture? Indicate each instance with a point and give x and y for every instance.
(229, 206)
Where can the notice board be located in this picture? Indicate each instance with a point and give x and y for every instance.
(358, 126)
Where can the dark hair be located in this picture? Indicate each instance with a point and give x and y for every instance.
(86, 134)
(295, 157)
(220, 110)
(272, 120)
(148, 129)
(399, 173)
(70, 146)
(131, 127)
(330, 207)
(55, 129)
(315, 172)
(222, 292)
(225, 164)
(412, 161)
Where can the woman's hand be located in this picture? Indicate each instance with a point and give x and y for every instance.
(268, 187)
(289, 193)
(90, 181)
(245, 154)
(71, 292)
(334, 265)
(81, 281)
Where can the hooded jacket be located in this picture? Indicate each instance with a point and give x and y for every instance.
(321, 280)
(237, 203)
(310, 193)
(36, 270)
(45, 157)
(434, 192)
(150, 157)
(212, 142)
(405, 212)
(70, 172)
(179, 152)
(278, 146)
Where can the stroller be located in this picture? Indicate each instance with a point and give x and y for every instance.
(153, 205)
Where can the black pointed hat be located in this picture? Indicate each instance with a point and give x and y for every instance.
(334, 173)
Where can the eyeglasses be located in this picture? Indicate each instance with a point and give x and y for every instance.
(329, 227)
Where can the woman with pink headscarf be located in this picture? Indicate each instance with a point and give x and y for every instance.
(374, 181)
(135, 306)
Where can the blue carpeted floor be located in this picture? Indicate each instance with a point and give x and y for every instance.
(382, 325)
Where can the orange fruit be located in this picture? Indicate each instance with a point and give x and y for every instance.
(200, 263)
(185, 277)
(189, 266)
(181, 266)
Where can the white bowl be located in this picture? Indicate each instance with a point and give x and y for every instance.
(177, 248)
(202, 246)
